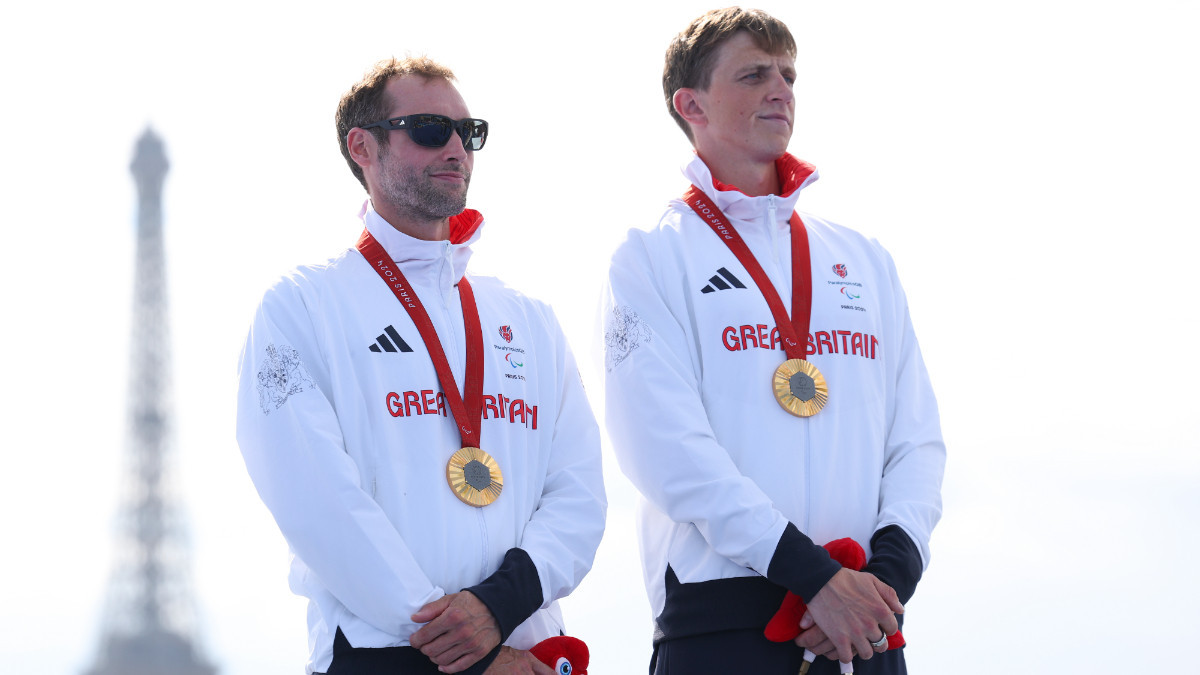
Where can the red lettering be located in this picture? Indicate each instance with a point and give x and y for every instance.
(533, 416)
(874, 342)
(411, 402)
(775, 339)
(393, 404)
(489, 403)
(441, 404)
(748, 336)
(517, 408)
(811, 347)
(763, 339)
(503, 404)
(845, 334)
(857, 344)
(823, 342)
(427, 400)
(730, 333)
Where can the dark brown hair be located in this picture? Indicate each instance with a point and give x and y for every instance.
(690, 56)
(367, 101)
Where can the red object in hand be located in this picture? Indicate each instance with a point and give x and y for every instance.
(785, 625)
(565, 654)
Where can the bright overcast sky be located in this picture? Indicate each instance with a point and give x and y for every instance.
(1031, 165)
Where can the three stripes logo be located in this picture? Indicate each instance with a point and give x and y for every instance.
(390, 341)
(723, 280)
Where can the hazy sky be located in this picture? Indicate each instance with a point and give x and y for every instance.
(1030, 165)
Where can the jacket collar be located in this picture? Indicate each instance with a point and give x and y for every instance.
(418, 256)
(741, 208)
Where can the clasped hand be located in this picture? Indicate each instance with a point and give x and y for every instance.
(847, 615)
(459, 630)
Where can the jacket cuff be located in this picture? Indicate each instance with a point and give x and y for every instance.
(512, 593)
(895, 560)
(801, 566)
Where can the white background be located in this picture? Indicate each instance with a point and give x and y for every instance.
(1030, 165)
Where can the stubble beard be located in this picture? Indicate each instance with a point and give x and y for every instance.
(419, 194)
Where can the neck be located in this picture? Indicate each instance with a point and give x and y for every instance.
(754, 178)
(417, 226)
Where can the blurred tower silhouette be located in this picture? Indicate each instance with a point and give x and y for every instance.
(149, 617)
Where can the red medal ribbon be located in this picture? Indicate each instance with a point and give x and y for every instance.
(468, 408)
(794, 331)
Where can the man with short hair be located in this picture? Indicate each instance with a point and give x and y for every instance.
(765, 392)
(420, 435)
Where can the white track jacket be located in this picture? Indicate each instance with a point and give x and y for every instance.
(346, 435)
(691, 347)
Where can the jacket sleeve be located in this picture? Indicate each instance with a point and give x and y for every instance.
(915, 456)
(665, 444)
(565, 530)
(293, 447)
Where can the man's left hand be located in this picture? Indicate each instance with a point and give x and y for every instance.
(460, 631)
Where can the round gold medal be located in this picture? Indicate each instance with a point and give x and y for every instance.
(800, 388)
(474, 477)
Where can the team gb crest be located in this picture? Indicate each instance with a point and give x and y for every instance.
(840, 270)
(506, 333)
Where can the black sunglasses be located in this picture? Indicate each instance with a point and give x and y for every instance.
(433, 131)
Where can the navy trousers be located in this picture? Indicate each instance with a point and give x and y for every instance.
(748, 651)
(348, 660)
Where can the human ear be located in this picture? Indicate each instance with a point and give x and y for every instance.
(687, 103)
(361, 146)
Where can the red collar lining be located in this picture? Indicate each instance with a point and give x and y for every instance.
(463, 226)
(792, 174)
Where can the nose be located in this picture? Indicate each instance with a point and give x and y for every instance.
(454, 150)
(781, 87)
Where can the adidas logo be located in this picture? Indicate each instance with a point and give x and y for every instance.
(718, 282)
(396, 343)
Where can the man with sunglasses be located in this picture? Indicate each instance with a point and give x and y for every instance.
(420, 435)
(765, 392)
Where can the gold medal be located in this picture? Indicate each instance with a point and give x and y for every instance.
(800, 388)
(474, 477)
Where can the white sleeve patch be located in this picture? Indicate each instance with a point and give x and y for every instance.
(623, 334)
(279, 376)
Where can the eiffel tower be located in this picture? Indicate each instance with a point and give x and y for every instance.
(149, 614)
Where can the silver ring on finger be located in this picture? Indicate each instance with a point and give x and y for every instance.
(881, 643)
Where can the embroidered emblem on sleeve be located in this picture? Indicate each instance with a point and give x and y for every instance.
(625, 332)
(281, 375)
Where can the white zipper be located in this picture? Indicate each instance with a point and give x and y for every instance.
(771, 227)
(780, 276)
(483, 550)
(446, 290)
(445, 284)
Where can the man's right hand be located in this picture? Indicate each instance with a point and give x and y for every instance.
(852, 609)
(460, 631)
(517, 662)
